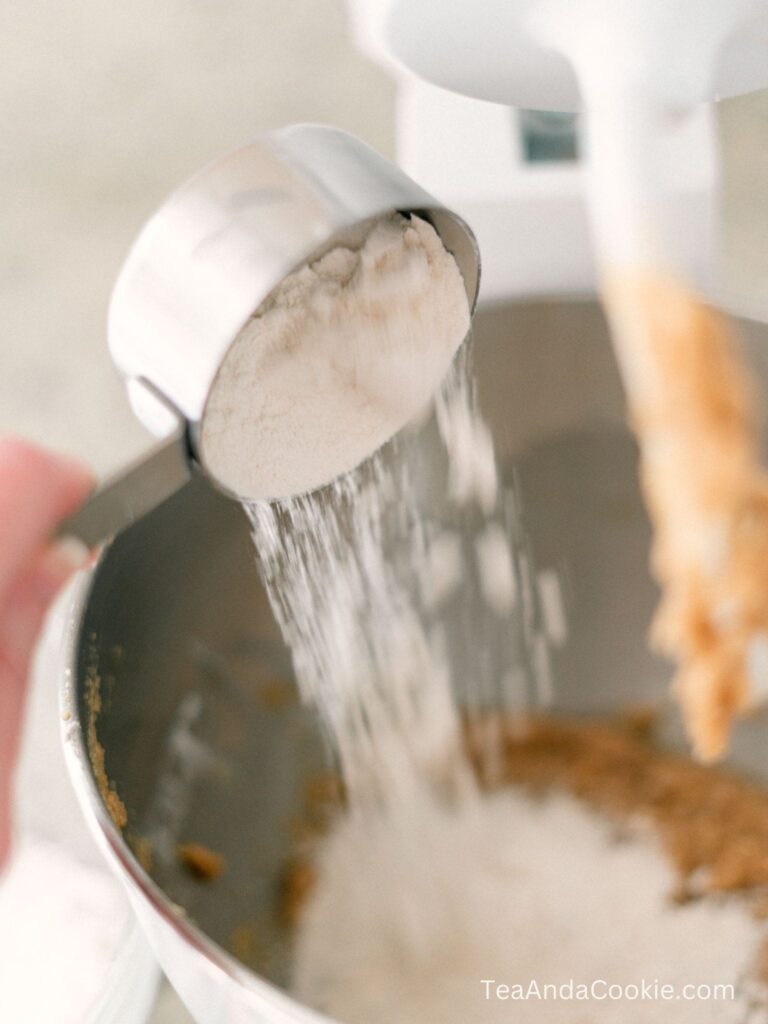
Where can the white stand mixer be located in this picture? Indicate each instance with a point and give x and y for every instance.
(529, 217)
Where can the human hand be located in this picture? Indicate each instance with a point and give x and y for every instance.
(37, 490)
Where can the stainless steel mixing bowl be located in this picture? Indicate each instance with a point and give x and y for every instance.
(200, 744)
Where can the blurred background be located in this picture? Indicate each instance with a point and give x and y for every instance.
(106, 107)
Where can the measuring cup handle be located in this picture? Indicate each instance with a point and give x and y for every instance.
(132, 492)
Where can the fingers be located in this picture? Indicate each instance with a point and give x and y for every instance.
(37, 489)
(20, 621)
(27, 601)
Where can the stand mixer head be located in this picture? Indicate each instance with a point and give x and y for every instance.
(526, 53)
(637, 70)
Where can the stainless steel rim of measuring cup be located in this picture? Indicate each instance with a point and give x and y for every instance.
(209, 257)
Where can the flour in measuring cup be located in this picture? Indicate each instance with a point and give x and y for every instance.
(346, 351)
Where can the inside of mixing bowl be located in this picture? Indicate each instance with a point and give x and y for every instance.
(205, 739)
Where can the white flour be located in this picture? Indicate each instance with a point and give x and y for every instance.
(345, 352)
(417, 905)
(395, 586)
(363, 652)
